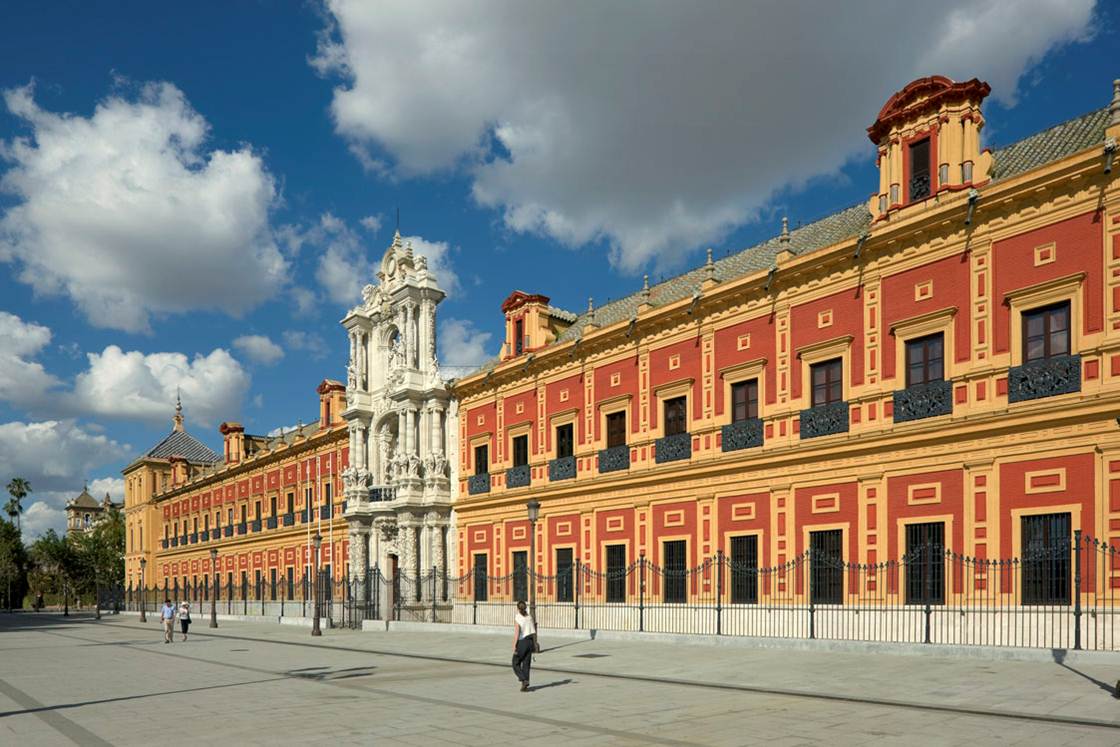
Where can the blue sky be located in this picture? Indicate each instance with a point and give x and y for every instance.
(192, 198)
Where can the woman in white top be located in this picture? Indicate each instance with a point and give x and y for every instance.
(185, 618)
(524, 641)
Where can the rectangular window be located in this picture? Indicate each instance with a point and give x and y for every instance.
(674, 571)
(1046, 332)
(616, 429)
(826, 569)
(257, 507)
(480, 578)
(564, 441)
(291, 583)
(564, 586)
(828, 382)
(291, 503)
(1047, 548)
(919, 170)
(520, 451)
(744, 400)
(925, 566)
(925, 360)
(230, 516)
(206, 523)
(272, 584)
(519, 337)
(328, 491)
(272, 506)
(676, 416)
(481, 459)
(257, 588)
(520, 576)
(244, 510)
(616, 573)
(744, 569)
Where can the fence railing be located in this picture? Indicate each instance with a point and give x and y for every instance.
(1058, 596)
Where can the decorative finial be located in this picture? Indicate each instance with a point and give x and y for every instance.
(710, 266)
(590, 305)
(645, 288)
(397, 239)
(178, 419)
(1114, 107)
(408, 248)
(784, 237)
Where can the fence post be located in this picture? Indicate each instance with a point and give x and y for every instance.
(642, 593)
(578, 567)
(433, 593)
(927, 553)
(1077, 590)
(719, 592)
(809, 591)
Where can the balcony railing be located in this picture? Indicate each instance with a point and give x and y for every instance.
(270, 522)
(383, 493)
(1045, 378)
(242, 528)
(824, 420)
(479, 483)
(204, 535)
(518, 477)
(919, 187)
(183, 539)
(289, 519)
(164, 543)
(923, 401)
(614, 458)
(674, 448)
(325, 511)
(743, 434)
(194, 538)
(562, 468)
(227, 530)
(256, 525)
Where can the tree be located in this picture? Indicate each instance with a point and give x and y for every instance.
(13, 566)
(56, 565)
(99, 555)
(19, 489)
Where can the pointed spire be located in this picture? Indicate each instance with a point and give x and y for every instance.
(784, 237)
(408, 249)
(397, 239)
(178, 419)
(1114, 107)
(710, 266)
(590, 305)
(645, 288)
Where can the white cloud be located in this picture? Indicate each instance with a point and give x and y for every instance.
(308, 342)
(438, 254)
(129, 213)
(57, 457)
(133, 385)
(21, 379)
(657, 131)
(462, 347)
(259, 348)
(371, 223)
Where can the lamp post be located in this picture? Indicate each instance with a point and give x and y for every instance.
(214, 591)
(315, 587)
(534, 508)
(143, 592)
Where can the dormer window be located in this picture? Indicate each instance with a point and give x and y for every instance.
(919, 184)
(519, 337)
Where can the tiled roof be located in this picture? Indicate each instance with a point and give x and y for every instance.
(183, 444)
(1037, 150)
(85, 500)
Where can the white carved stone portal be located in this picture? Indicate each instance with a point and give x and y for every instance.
(402, 425)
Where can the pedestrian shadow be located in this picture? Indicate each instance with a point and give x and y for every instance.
(564, 645)
(1059, 655)
(558, 683)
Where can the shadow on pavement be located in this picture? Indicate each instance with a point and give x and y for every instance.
(558, 683)
(1060, 659)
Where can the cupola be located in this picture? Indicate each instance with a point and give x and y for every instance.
(928, 136)
(531, 323)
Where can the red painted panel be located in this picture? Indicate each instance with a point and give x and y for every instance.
(553, 405)
(627, 369)
(849, 512)
(258, 484)
(950, 288)
(1078, 242)
(659, 373)
(481, 419)
(847, 311)
(511, 418)
(511, 541)
(899, 508)
(561, 531)
(243, 489)
(1079, 489)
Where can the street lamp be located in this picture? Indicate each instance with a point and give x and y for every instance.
(534, 508)
(143, 592)
(214, 591)
(315, 586)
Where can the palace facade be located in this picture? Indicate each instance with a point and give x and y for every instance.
(939, 366)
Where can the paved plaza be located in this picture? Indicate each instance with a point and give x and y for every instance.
(75, 680)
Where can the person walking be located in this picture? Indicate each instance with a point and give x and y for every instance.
(167, 615)
(185, 617)
(524, 643)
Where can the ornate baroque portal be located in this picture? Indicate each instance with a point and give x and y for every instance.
(400, 415)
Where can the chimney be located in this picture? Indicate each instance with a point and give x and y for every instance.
(178, 472)
(332, 401)
(234, 436)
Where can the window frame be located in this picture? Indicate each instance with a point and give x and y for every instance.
(912, 161)
(743, 581)
(924, 341)
(571, 439)
(519, 443)
(674, 581)
(829, 366)
(484, 459)
(1046, 312)
(675, 412)
(750, 403)
(618, 416)
(616, 576)
(565, 581)
(925, 561)
(1053, 584)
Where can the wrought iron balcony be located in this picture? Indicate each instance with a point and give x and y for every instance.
(674, 448)
(479, 483)
(183, 539)
(289, 519)
(325, 511)
(256, 525)
(383, 493)
(270, 522)
(175, 541)
(919, 187)
(744, 434)
(923, 401)
(824, 420)
(242, 528)
(227, 530)
(164, 543)
(562, 468)
(194, 538)
(1045, 378)
(519, 476)
(614, 458)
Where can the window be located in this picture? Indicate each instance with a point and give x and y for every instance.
(257, 588)
(1046, 558)
(230, 516)
(676, 416)
(919, 170)
(481, 460)
(480, 577)
(272, 584)
(925, 567)
(519, 337)
(826, 571)
(564, 585)
(616, 573)
(272, 506)
(217, 519)
(206, 523)
(925, 360)
(194, 525)
(520, 576)
(520, 451)
(674, 571)
(258, 510)
(291, 503)
(564, 445)
(744, 400)
(828, 380)
(244, 510)
(744, 569)
(291, 583)
(1046, 332)
(616, 429)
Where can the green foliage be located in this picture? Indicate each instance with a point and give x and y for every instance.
(99, 554)
(13, 566)
(56, 563)
(19, 489)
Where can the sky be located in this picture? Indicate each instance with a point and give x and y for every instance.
(191, 197)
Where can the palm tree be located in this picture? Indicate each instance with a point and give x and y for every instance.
(19, 489)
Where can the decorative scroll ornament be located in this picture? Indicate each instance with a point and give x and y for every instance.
(824, 420)
(923, 401)
(1045, 378)
(674, 448)
(744, 434)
